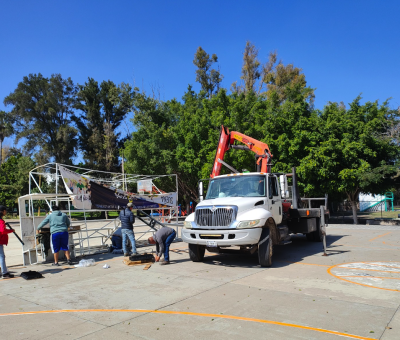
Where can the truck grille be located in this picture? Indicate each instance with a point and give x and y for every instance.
(220, 217)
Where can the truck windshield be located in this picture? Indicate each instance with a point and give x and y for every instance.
(237, 186)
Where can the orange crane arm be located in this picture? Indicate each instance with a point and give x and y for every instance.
(227, 140)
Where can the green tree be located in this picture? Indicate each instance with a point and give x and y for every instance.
(151, 148)
(14, 179)
(276, 81)
(6, 130)
(42, 112)
(160, 144)
(284, 82)
(90, 122)
(353, 154)
(103, 109)
(251, 70)
(182, 137)
(208, 77)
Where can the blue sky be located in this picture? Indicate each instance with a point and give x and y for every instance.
(344, 47)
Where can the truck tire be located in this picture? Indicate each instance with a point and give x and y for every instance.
(316, 236)
(196, 252)
(265, 249)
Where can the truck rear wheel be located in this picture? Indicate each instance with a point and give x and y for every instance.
(196, 252)
(316, 236)
(265, 249)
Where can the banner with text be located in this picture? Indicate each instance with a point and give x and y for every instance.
(88, 194)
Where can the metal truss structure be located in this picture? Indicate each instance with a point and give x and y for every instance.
(87, 235)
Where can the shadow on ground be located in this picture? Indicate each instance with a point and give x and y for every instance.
(283, 255)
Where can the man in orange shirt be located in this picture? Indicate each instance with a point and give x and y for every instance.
(4, 241)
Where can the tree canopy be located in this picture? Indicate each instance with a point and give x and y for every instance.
(6, 130)
(102, 109)
(14, 183)
(42, 112)
(209, 78)
(182, 137)
(338, 150)
(354, 154)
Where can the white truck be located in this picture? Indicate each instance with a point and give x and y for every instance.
(250, 212)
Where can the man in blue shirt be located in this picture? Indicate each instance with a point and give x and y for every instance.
(127, 220)
(59, 223)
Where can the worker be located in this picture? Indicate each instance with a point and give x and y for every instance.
(127, 220)
(162, 239)
(59, 223)
(4, 241)
(116, 240)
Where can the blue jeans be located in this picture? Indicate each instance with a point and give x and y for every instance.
(3, 260)
(167, 243)
(128, 233)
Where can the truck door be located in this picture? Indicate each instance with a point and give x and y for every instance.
(274, 198)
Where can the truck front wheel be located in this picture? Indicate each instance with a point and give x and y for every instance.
(196, 252)
(265, 248)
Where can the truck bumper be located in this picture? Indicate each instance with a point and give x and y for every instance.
(232, 237)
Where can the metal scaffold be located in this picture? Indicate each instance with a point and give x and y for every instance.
(88, 234)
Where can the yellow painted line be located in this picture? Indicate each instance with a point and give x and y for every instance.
(390, 244)
(329, 270)
(372, 239)
(219, 316)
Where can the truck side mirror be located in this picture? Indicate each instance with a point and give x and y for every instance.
(201, 192)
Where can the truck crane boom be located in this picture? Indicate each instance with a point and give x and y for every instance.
(226, 141)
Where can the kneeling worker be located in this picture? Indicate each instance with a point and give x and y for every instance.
(59, 223)
(116, 240)
(162, 239)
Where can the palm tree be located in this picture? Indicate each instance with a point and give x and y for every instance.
(6, 130)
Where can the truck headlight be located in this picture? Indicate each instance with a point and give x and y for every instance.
(248, 224)
(187, 225)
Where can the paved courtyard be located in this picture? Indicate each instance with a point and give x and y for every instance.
(353, 292)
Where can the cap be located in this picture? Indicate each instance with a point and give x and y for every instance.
(129, 205)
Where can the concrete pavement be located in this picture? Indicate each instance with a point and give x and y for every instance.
(352, 292)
